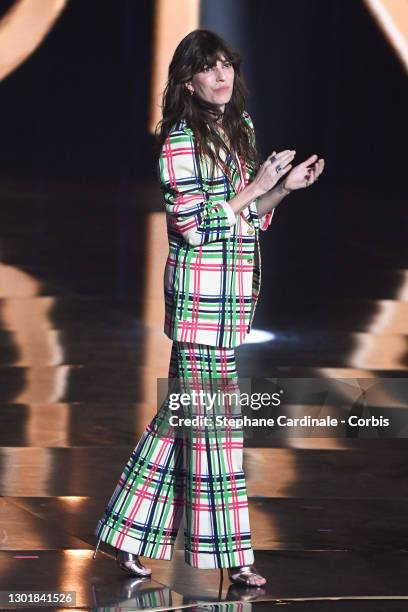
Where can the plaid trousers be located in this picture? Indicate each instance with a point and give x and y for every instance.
(191, 472)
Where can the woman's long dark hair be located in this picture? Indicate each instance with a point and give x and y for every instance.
(201, 48)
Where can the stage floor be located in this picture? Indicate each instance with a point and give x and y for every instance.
(82, 347)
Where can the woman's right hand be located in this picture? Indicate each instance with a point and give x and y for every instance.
(273, 168)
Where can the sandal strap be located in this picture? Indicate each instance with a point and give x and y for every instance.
(244, 569)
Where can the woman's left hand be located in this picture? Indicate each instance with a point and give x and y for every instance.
(302, 175)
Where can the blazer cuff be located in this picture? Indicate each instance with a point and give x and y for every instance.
(265, 221)
(230, 213)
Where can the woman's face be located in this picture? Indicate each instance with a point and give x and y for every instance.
(214, 84)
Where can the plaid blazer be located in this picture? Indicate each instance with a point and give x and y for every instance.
(212, 275)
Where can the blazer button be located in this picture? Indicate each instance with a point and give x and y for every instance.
(250, 260)
(251, 230)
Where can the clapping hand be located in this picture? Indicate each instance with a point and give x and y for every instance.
(273, 168)
(304, 174)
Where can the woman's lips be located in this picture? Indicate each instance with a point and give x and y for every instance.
(222, 88)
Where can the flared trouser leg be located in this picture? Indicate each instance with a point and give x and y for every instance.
(145, 510)
(192, 466)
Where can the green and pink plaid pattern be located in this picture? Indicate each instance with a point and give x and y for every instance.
(192, 474)
(213, 270)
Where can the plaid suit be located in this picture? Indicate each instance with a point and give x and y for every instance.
(213, 271)
(211, 282)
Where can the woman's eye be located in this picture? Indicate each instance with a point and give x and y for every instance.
(207, 68)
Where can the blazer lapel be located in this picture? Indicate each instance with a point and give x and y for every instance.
(250, 212)
(235, 174)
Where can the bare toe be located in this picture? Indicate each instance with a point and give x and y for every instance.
(247, 575)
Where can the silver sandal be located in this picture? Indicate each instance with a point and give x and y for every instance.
(130, 563)
(240, 575)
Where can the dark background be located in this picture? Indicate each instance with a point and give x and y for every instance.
(78, 171)
(321, 74)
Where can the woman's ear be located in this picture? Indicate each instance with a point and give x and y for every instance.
(189, 87)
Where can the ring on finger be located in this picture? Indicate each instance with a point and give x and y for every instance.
(273, 159)
(278, 169)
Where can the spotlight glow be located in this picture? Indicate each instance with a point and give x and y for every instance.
(392, 17)
(256, 336)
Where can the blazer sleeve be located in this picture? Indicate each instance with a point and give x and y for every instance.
(265, 220)
(190, 210)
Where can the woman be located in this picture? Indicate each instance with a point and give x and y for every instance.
(217, 196)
